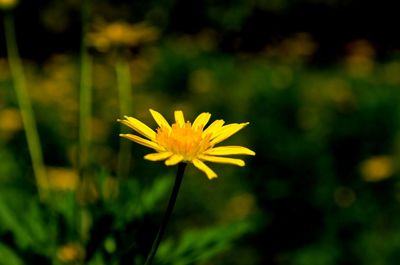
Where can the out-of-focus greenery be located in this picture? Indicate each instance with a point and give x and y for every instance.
(322, 189)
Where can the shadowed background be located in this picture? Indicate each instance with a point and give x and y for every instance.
(317, 80)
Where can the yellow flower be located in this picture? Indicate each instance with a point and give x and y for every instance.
(186, 142)
(70, 253)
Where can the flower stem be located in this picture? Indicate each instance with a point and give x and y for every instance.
(168, 213)
(85, 113)
(25, 104)
(85, 96)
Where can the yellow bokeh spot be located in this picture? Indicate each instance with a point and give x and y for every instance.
(360, 59)
(294, 49)
(63, 179)
(121, 33)
(7, 4)
(377, 168)
(339, 92)
(10, 120)
(70, 253)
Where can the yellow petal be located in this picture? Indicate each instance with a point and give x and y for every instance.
(226, 132)
(180, 120)
(229, 150)
(223, 160)
(173, 160)
(161, 121)
(201, 120)
(215, 126)
(203, 167)
(158, 156)
(142, 141)
(139, 126)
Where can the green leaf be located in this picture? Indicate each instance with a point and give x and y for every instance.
(8, 256)
(140, 201)
(10, 221)
(155, 193)
(23, 217)
(197, 245)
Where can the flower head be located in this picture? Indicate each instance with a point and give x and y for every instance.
(186, 142)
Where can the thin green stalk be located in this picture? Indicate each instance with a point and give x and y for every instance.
(85, 96)
(168, 213)
(124, 89)
(85, 113)
(85, 102)
(25, 105)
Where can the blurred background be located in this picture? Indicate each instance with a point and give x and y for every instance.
(318, 80)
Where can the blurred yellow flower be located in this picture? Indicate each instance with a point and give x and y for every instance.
(377, 168)
(186, 142)
(7, 4)
(10, 120)
(61, 179)
(360, 58)
(70, 253)
(121, 34)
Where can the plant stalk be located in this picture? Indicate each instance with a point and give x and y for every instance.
(168, 213)
(85, 96)
(28, 118)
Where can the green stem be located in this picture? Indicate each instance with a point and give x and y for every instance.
(85, 113)
(168, 213)
(124, 89)
(85, 96)
(25, 105)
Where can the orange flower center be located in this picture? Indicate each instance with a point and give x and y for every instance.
(186, 140)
